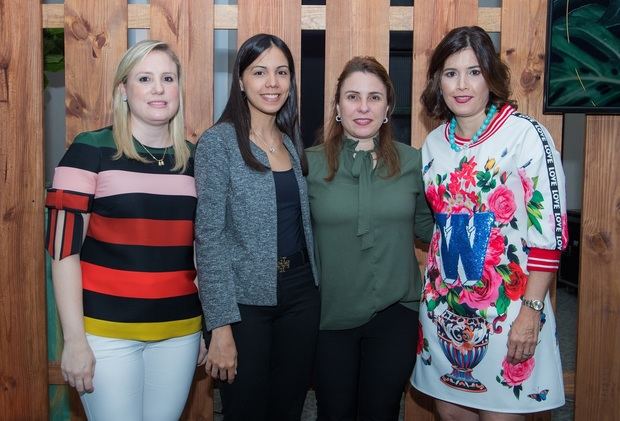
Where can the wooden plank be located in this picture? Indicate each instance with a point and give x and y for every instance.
(354, 28)
(523, 49)
(187, 25)
(312, 17)
(23, 356)
(598, 366)
(200, 401)
(432, 20)
(277, 17)
(95, 39)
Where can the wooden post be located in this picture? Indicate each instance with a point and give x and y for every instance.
(354, 28)
(95, 39)
(277, 17)
(187, 25)
(23, 356)
(598, 367)
(432, 20)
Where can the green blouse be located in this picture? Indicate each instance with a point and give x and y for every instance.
(364, 226)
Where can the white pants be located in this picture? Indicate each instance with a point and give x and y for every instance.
(136, 381)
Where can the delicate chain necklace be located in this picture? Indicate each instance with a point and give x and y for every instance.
(271, 148)
(160, 161)
(476, 136)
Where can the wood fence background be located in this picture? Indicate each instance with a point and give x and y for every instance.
(96, 37)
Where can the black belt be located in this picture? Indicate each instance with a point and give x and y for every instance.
(286, 263)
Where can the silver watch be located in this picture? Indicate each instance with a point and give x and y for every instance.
(533, 304)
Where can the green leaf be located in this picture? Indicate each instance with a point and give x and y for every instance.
(537, 197)
(533, 220)
(502, 302)
(431, 305)
(586, 61)
(453, 302)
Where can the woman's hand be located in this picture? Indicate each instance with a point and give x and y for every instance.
(202, 353)
(523, 335)
(78, 365)
(222, 355)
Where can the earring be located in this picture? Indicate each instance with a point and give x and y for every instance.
(124, 98)
(338, 118)
(385, 120)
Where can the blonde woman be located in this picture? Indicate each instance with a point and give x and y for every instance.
(121, 237)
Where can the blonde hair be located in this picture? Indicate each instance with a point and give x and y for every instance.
(121, 113)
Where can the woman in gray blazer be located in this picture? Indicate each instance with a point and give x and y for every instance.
(256, 269)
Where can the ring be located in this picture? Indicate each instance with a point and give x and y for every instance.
(527, 354)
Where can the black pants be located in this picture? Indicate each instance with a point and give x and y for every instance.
(276, 347)
(362, 372)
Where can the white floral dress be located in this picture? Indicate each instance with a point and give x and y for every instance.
(500, 212)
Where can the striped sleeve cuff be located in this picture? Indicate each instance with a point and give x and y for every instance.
(542, 260)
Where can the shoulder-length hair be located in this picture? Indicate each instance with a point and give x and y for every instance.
(332, 132)
(495, 72)
(121, 114)
(237, 111)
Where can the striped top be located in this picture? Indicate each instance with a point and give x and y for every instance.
(137, 258)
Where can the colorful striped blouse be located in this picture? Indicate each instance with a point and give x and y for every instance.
(137, 258)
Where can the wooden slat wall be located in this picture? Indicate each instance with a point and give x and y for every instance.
(354, 28)
(432, 20)
(187, 25)
(598, 366)
(23, 365)
(278, 17)
(95, 39)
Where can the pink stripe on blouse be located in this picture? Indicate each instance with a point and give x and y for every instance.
(113, 182)
(75, 179)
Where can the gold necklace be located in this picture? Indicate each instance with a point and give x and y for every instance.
(160, 161)
(270, 148)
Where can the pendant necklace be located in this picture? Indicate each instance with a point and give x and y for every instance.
(270, 148)
(160, 162)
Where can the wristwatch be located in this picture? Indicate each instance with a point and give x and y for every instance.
(533, 304)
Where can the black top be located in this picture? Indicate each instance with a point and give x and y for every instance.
(290, 237)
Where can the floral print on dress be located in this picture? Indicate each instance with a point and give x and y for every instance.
(513, 375)
(471, 191)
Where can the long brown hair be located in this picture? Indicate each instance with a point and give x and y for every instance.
(495, 72)
(332, 131)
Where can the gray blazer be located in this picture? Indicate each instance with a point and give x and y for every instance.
(236, 226)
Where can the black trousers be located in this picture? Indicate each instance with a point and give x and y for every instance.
(276, 348)
(362, 372)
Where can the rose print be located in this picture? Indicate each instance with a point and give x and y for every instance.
(502, 204)
(516, 374)
(483, 296)
(518, 280)
(528, 185)
(434, 195)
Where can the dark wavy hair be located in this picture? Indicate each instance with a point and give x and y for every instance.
(237, 111)
(332, 132)
(494, 70)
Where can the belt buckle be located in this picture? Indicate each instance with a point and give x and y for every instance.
(283, 264)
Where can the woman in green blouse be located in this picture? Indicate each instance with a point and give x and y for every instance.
(367, 204)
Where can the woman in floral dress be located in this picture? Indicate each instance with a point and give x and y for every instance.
(494, 181)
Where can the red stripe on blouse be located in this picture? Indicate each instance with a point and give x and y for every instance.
(132, 284)
(543, 260)
(141, 232)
